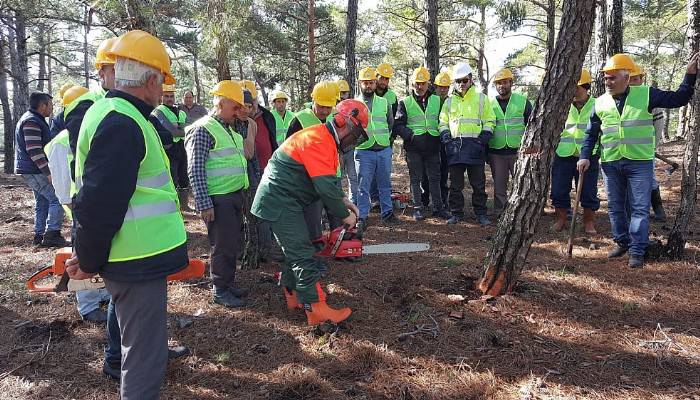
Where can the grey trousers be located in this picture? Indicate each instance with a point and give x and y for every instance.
(502, 168)
(420, 164)
(350, 173)
(225, 238)
(141, 310)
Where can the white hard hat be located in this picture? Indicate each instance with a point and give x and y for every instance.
(461, 70)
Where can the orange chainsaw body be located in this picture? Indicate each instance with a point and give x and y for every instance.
(350, 243)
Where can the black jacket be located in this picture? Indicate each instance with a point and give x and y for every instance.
(270, 124)
(426, 143)
(109, 181)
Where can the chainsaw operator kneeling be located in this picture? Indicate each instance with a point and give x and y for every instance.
(303, 170)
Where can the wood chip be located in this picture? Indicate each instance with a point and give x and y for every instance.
(457, 315)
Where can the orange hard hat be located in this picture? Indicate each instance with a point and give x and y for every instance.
(355, 110)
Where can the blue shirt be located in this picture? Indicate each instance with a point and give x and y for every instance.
(657, 99)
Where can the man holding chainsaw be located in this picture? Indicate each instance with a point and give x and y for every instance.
(304, 170)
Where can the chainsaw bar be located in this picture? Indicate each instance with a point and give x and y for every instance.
(393, 248)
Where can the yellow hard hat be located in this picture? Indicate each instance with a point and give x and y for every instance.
(420, 74)
(585, 77)
(619, 62)
(231, 90)
(325, 94)
(63, 89)
(280, 95)
(73, 93)
(638, 70)
(250, 86)
(168, 88)
(343, 85)
(385, 70)
(101, 57)
(368, 74)
(443, 79)
(145, 48)
(504, 73)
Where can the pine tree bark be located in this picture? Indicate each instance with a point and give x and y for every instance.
(686, 210)
(516, 228)
(350, 40)
(682, 128)
(615, 28)
(601, 48)
(197, 83)
(311, 32)
(432, 39)
(482, 67)
(8, 125)
(17, 39)
(41, 42)
(551, 28)
(223, 70)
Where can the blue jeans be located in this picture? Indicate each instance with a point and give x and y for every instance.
(374, 166)
(46, 205)
(633, 177)
(113, 351)
(563, 172)
(89, 300)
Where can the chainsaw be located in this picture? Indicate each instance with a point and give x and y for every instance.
(195, 269)
(343, 242)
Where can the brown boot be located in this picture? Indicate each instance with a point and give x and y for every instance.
(320, 312)
(291, 297)
(184, 197)
(560, 218)
(589, 221)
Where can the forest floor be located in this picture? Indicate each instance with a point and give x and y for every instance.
(581, 328)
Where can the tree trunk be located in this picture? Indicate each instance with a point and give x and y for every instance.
(197, 83)
(86, 48)
(17, 39)
(615, 28)
(432, 39)
(350, 39)
(49, 67)
(679, 233)
(8, 125)
(682, 129)
(41, 41)
(312, 45)
(223, 71)
(482, 68)
(601, 45)
(551, 28)
(260, 83)
(516, 228)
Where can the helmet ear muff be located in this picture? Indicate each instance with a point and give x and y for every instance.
(339, 120)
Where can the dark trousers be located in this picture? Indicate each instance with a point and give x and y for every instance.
(425, 184)
(563, 172)
(313, 213)
(420, 164)
(140, 309)
(225, 238)
(477, 180)
(502, 168)
(178, 164)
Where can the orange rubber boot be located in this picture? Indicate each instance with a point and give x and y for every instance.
(291, 297)
(320, 312)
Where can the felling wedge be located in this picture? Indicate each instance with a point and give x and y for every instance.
(344, 242)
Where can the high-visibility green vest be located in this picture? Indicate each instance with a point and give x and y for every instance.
(378, 128)
(177, 120)
(630, 135)
(511, 125)
(62, 140)
(462, 115)
(153, 223)
(390, 97)
(282, 125)
(420, 121)
(307, 118)
(574, 130)
(226, 166)
(93, 95)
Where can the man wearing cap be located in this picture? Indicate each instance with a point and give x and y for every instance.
(566, 157)
(416, 122)
(173, 120)
(373, 156)
(217, 157)
(466, 125)
(126, 199)
(441, 86)
(193, 110)
(636, 77)
(283, 117)
(622, 120)
(512, 112)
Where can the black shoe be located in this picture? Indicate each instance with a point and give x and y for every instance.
(617, 252)
(418, 215)
(442, 214)
(113, 371)
(390, 219)
(54, 239)
(37, 239)
(227, 299)
(177, 352)
(95, 315)
(635, 262)
(483, 220)
(239, 292)
(454, 220)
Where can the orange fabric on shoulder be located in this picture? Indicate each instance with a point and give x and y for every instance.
(314, 148)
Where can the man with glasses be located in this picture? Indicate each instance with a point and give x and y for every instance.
(466, 126)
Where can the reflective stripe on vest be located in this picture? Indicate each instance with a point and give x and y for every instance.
(575, 129)
(420, 121)
(307, 118)
(177, 120)
(226, 165)
(511, 125)
(282, 125)
(464, 114)
(152, 223)
(630, 135)
(378, 128)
